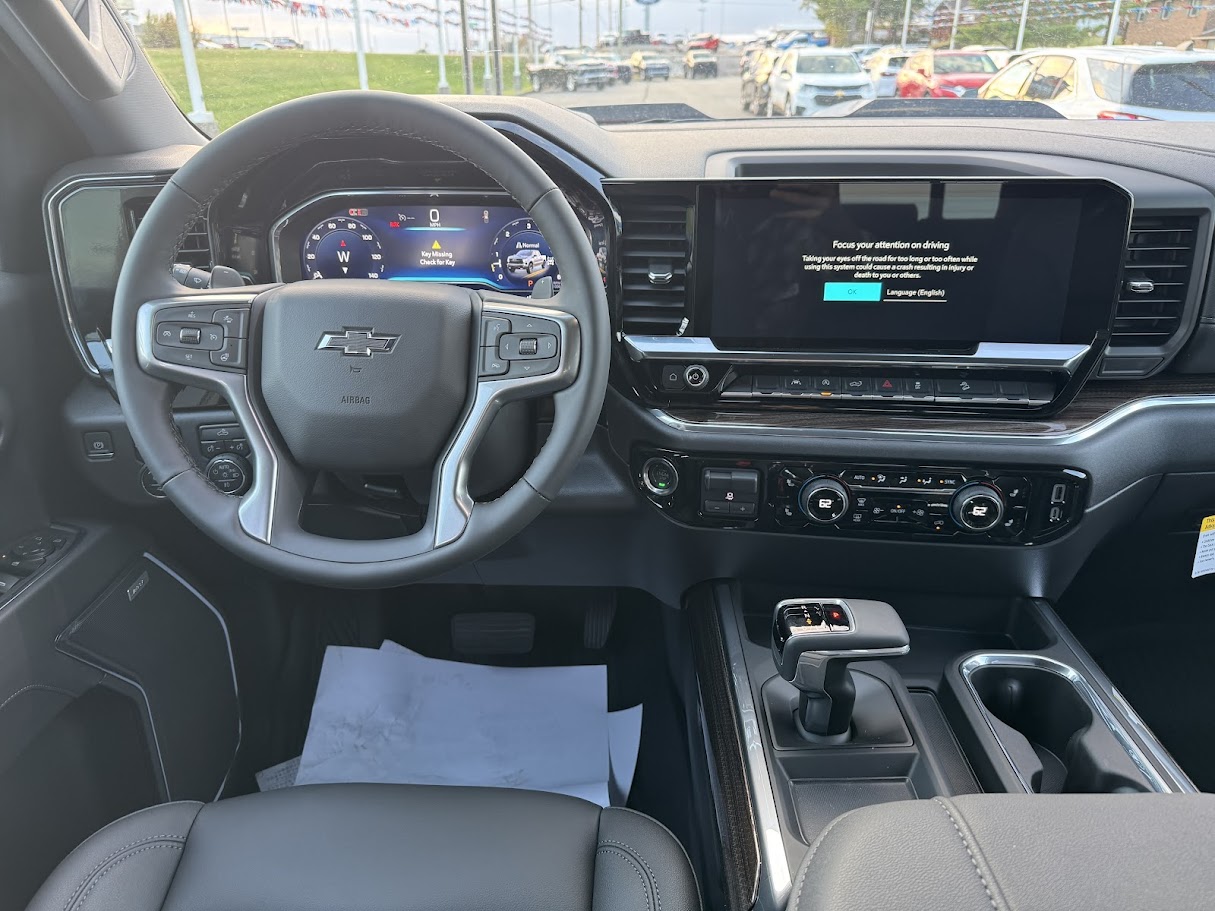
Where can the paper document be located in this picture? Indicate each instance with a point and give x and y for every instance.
(392, 715)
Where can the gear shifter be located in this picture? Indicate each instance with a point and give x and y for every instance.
(814, 639)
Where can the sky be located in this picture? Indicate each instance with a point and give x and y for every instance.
(670, 16)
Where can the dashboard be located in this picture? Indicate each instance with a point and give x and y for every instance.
(1034, 302)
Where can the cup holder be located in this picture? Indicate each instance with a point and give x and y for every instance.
(1052, 728)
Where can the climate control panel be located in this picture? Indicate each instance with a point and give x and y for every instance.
(998, 505)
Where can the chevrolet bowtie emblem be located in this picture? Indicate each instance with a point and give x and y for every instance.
(357, 342)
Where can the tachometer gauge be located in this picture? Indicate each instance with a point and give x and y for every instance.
(342, 248)
(520, 255)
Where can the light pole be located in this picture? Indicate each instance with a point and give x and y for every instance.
(227, 25)
(465, 51)
(581, 43)
(488, 75)
(199, 115)
(261, 8)
(596, 23)
(444, 88)
(1021, 28)
(1115, 21)
(953, 34)
(532, 44)
(514, 9)
(496, 33)
(906, 22)
(359, 51)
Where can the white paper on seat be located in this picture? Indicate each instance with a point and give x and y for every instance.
(391, 715)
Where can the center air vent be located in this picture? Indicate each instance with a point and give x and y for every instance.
(195, 248)
(654, 251)
(1155, 280)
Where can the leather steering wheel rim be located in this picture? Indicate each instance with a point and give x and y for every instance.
(267, 536)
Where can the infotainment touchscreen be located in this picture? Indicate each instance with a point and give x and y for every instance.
(914, 264)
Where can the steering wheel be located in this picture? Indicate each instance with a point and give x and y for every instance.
(358, 375)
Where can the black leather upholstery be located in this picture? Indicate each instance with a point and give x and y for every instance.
(1015, 853)
(377, 848)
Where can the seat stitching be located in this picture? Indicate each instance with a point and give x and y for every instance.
(35, 686)
(114, 866)
(636, 869)
(818, 843)
(969, 853)
(105, 860)
(637, 854)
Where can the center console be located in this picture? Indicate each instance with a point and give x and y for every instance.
(977, 504)
(921, 295)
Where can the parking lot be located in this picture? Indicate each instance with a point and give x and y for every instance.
(718, 98)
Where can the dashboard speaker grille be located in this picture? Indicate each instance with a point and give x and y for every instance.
(654, 253)
(195, 249)
(1155, 280)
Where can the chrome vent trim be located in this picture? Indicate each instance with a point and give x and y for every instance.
(1155, 279)
(655, 252)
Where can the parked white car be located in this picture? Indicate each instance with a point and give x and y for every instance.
(1111, 83)
(808, 79)
(884, 66)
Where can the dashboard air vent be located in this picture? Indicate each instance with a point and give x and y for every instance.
(654, 253)
(1155, 280)
(195, 249)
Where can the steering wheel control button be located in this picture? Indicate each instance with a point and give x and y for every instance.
(186, 357)
(824, 500)
(533, 325)
(179, 335)
(513, 346)
(229, 473)
(492, 329)
(492, 364)
(977, 507)
(530, 367)
(659, 476)
(234, 322)
(696, 376)
(98, 445)
(230, 355)
(187, 314)
(198, 279)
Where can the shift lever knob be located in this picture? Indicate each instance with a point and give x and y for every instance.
(814, 639)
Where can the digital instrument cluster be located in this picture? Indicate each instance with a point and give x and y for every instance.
(480, 240)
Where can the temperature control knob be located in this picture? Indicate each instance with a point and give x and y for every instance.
(824, 500)
(977, 507)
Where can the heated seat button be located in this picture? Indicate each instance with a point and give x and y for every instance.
(1015, 490)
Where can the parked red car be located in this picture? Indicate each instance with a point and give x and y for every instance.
(944, 74)
(703, 43)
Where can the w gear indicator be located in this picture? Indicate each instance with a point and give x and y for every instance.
(343, 247)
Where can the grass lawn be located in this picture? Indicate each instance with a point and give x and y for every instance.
(237, 83)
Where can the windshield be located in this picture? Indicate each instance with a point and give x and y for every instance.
(964, 63)
(246, 55)
(824, 65)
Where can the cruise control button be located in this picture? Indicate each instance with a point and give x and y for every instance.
(231, 355)
(191, 314)
(185, 357)
(189, 335)
(234, 322)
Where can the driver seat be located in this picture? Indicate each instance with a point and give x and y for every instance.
(377, 847)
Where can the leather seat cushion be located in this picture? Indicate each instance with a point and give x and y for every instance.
(1015, 853)
(377, 848)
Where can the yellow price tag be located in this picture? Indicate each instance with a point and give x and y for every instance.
(1208, 524)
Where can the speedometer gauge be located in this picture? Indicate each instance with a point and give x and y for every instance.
(520, 255)
(342, 248)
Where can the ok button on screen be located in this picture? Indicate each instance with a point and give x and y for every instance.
(852, 291)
